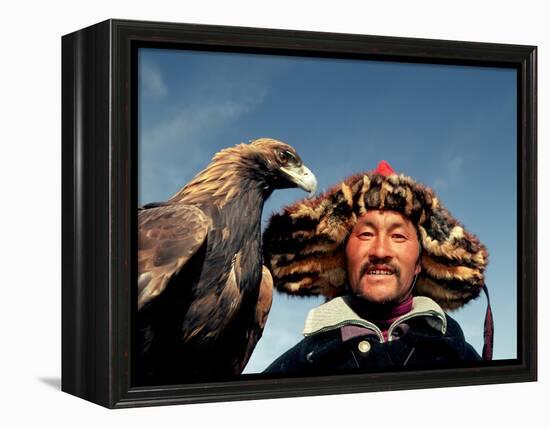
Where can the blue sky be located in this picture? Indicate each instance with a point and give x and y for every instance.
(452, 128)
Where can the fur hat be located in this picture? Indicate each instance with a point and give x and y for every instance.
(304, 246)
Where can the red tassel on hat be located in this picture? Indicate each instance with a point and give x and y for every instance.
(384, 169)
(488, 329)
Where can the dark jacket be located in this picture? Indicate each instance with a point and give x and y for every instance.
(426, 338)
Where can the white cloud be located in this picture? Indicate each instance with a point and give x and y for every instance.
(453, 167)
(190, 122)
(180, 144)
(151, 80)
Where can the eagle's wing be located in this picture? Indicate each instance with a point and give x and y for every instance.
(168, 236)
(212, 310)
(265, 298)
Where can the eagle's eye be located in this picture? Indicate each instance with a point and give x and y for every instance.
(285, 157)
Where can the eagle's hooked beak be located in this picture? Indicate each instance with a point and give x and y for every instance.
(303, 178)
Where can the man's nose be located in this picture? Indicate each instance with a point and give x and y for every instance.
(380, 248)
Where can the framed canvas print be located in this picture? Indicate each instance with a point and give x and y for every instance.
(253, 213)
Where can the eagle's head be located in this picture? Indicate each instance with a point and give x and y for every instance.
(280, 166)
(265, 164)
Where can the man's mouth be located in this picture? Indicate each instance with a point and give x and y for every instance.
(379, 272)
(379, 269)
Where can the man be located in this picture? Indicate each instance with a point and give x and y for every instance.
(389, 256)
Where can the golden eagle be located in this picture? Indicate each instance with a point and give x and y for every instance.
(203, 292)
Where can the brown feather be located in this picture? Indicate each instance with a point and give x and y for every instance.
(220, 181)
(168, 236)
(263, 307)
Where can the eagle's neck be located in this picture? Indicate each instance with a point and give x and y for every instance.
(231, 175)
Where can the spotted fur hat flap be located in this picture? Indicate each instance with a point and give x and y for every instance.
(304, 246)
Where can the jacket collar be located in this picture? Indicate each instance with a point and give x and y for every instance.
(337, 313)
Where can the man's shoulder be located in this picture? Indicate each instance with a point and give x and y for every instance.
(329, 316)
(301, 356)
(453, 328)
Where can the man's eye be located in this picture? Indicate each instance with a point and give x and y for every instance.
(366, 234)
(399, 237)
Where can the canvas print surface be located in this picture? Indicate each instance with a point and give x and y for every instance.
(450, 130)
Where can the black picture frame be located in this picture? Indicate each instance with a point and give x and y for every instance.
(99, 194)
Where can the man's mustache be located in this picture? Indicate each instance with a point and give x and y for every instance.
(373, 266)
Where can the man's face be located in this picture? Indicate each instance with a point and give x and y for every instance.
(382, 257)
